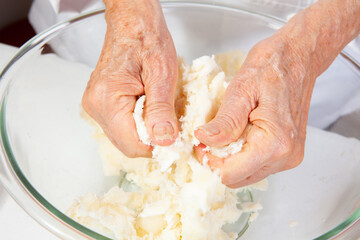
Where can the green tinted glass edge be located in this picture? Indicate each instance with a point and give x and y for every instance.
(339, 229)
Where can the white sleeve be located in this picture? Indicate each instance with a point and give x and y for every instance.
(280, 8)
(324, 109)
(45, 13)
(42, 14)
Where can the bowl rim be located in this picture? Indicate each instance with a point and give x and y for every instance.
(25, 194)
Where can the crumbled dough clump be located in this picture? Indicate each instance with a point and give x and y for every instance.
(171, 196)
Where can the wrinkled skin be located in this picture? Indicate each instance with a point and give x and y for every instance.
(138, 57)
(269, 98)
(273, 91)
(274, 97)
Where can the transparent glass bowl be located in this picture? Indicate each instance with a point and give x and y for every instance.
(49, 157)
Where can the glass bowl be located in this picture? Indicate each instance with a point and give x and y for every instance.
(49, 157)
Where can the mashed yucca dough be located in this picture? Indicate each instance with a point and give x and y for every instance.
(171, 196)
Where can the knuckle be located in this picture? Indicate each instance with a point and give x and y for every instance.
(121, 82)
(298, 156)
(129, 153)
(160, 85)
(155, 109)
(126, 150)
(115, 113)
(242, 92)
(160, 71)
(227, 178)
(296, 161)
(124, 105)
(158, 88)
(286, 146)
(85, 102)
(92, 95)
(133, 149)
(105, 94)
(283, 132)
(232, 186)
(266, 168)
(129, 147)
(127, 86)
(229, 121)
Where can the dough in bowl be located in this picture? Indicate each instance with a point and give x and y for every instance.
(171, 196)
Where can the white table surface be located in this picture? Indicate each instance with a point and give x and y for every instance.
(15, 223)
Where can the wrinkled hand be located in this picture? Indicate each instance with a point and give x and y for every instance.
(274, 97)
(273, 90)
(138, 57)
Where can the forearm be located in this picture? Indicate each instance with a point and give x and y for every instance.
(318, 34)
(133, 26)
(134, 18)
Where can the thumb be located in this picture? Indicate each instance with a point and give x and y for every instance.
(230, 121)
(159, 77)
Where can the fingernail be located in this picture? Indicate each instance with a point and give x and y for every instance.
(209, 130)
(163, 131)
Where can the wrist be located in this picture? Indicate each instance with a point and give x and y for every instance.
(134, 18)
(128, 4)
(318, 34)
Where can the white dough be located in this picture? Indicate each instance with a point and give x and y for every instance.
(139, 121)
(176, 197)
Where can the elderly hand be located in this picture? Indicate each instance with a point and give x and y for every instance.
(138, 57)
(273, 90)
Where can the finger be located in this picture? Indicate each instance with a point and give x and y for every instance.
(205, 157)
(259, 149)
(256, 177)
(200, 152)
(110, 100)
(231, 119)
(261, 174)
(216, 163)
(280, 164)
(121, 128)
(159, 76)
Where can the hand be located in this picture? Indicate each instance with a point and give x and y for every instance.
(272, 92)
(274, 97)
(138, 57)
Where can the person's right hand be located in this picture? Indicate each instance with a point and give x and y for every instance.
(138, 57)
(269, 97)
(272, 93)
